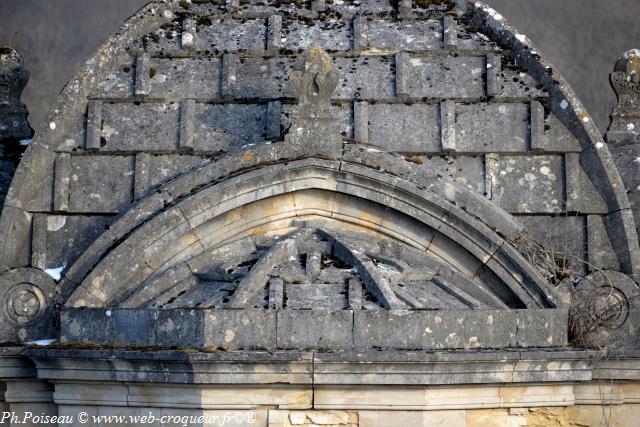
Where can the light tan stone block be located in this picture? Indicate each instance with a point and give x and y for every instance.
(227, 397)
(455, 418)
(418, 398)
(537, 395)
(630, 392)
(91, 394)
(598, 393)
(487, 418)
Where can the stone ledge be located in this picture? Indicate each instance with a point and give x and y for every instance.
(322, 330)
(372, 367)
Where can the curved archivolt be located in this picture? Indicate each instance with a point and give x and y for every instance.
(169, 261)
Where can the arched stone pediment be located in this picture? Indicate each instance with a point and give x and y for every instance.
(202, 135)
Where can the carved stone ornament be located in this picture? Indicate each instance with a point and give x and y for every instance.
(25, 304)
(314, 77)
(28, 307)
(314, 123)
(605, 311)
(13, 113)
(625, 80)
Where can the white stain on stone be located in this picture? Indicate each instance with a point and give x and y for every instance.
(55, 273)
(630, 127)
(585, 119)
(55, 223)
(229, 335)
(599, 145)
(544, 170)
(52, 125)
(108, 313)
(564, 104)
(521, 38)
(42, 343)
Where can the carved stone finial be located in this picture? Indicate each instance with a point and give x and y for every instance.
(314, 77)
(13, 113)
(625, 80)
(623, 134)
(314, 124)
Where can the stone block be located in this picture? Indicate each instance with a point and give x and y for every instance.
(516, 85)
(529, 184)
(564, 237)
(365, 77)
(342, 114)
(404, 128)
(58, 240)
(15, 245)
(407, 35)
(155, 170)
(180, 328)
(433, 329)
(234, 329)
(183, 78)
(412, 418)
(446, 77)
(331, 35)
(600, 249)
(298, 329)
(222, 127)
(88, 326)
(466, 170)
(492, 128)
(542, 328)
(557, 138)
(231, 35)
(140, 127)
(101, 183)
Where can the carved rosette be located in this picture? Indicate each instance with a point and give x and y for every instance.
(605, 311)
(25, 304)
(27, 310)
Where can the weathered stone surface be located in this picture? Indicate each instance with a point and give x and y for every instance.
(492, 128)
(565, 239)
(143, 127)
(93, 190)
(528, 184)
(542, 328)
(232, 329)
(318, 330)
(417, 124)
(58, 240)
(183, 78)
(330, 35)
(425, 93)
(445, 77)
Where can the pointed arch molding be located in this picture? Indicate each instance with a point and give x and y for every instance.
(211, 206)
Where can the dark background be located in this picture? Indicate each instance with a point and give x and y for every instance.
(583, 38)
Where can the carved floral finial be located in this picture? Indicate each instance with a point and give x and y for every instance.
(625, 79)
(314, 77)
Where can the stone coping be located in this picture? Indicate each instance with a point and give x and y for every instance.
(314, 330)
(372, 367)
